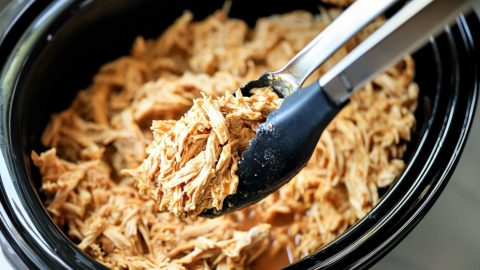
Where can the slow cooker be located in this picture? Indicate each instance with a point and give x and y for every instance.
(50, 49)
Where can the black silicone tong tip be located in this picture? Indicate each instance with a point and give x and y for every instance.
(281, 148)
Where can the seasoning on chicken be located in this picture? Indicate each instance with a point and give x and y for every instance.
(107, 130)
(192, 162)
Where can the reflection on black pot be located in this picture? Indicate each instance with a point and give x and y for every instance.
(50, 75)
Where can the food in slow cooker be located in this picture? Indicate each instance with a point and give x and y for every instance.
(192, 163)
(106, 130)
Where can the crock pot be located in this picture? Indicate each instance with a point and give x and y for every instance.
(50, 49)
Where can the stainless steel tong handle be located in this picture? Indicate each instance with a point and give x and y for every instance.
(406, 31)
(345, 26)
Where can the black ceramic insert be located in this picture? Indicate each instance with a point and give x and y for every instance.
(50, 50)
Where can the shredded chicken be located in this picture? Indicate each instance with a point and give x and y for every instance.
(107, 130)
(192, 163)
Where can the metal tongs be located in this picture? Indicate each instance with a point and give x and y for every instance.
(285, 142)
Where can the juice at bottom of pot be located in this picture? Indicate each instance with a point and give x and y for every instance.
(268, 260)
(279, 260)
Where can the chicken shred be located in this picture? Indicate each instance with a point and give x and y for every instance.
(191, 164)
(106, 130)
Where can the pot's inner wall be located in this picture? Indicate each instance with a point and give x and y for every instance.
(89, 35)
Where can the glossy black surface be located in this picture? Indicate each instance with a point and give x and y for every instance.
(64, 43)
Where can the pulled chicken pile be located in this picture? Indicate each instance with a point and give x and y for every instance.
(106, 130)
(192, 163)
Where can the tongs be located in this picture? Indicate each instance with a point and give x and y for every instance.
(285, 142)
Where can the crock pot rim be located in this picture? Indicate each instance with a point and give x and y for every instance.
(426, 200)
(29, 245)
(402, 231)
